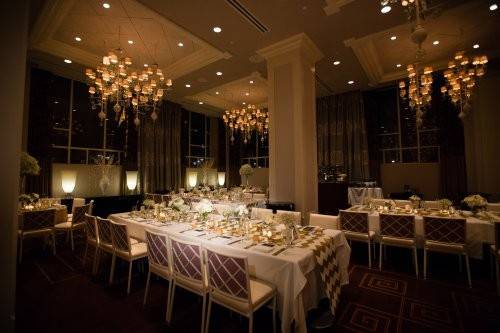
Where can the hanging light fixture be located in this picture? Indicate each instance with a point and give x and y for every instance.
(246, 120)
(461, 78)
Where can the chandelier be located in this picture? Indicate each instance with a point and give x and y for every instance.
(418, 90)
(246, 120)
(461, 78)
(113, 82)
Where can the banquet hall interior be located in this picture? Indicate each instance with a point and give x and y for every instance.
(260, 166)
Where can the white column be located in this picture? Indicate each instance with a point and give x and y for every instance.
(292, 121)
(13, 34)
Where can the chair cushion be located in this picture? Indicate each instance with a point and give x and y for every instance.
(134, 241)
(260, 293)
(396, 241)
(64, 225)
(444, 247)
(359, 236)
(192, 285)
(139, 249)
(34, 233)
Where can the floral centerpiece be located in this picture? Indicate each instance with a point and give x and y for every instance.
(179, 205)
(415, 201)
(246, 171)
(149, 203)
(475, 202)
(28, 199)
(445, 204)
(240, 211)
(204, 208)
(288, 220)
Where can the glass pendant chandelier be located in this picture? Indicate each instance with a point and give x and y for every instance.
(246, 120)
(461, 78)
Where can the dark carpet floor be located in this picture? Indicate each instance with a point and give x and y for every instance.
(58, 294)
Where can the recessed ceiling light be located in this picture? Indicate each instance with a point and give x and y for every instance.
(247, 94)
(385, 9)
(336, 62)
(200, 102)
(106, 5)
(476, 46)
(146, 65)
(188, 85)
(180, 44)
(218, 73)
(78, 39)
(131, 42)
(493, 6)
(216, 92)
(398, 65)
(436, 42)
(217, 29)
(68, 61)
(350, 82)
(394, 37)
(251, 81)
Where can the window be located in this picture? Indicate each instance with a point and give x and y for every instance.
(196, 128)
(256, 151)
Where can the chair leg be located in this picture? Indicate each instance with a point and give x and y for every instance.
(112, 273)
(460, 268)
(374, 250)
(53, 243)
(72, 240)
(497, 269)
(169, 295)
(274, 313)
(85, 254)
(425, 263)
(492, 263)
(209, 311)
(468, 270)
(20, 249)
(146, 292)
(380, 257)
(129, 276)
(416, 260)
(369, 254)
(203, 313)
(250, 323)
(94, 262)
(171, 307)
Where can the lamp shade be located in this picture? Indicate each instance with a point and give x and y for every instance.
(221, 177)
(131, 179)
(192, 178)
(68, 180)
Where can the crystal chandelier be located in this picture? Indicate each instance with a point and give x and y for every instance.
(461, 78)
(246, 120)
(418, 90)
(113, 82)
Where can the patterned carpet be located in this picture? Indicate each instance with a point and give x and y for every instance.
(56, 294)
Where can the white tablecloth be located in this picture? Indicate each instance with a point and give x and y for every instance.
(357, 195)
(292, 272)
(478, 232)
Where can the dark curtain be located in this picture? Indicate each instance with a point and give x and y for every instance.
(160, 150)
(342, 140)
(453, 172)
(234, 163)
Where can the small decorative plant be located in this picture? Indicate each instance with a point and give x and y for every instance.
(246, 171)
(475, 202)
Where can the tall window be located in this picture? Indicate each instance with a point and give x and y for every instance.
(256, 151)
(196, 131)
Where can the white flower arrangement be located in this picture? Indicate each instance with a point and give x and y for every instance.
(179, 205)
(240, 211)
(475, 201)
(246, 170)
(204, 207)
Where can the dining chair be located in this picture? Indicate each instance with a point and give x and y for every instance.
(259, 196)
(446, 235)
(402, 203)
(495, 254)
(189, 272)
(166, 198)
(261, 213)
(36, 224)
(230, 285)
(149, 196)
(355, 228)
(378, 202)
(159, 262)
(92, 239)
(105, 244)
(399, 231)
(297, 216)
(493, 206)
(431, 204)
(124, 249)
(324, 221)
(76, 222)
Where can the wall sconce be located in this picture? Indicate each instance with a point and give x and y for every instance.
(68, 181)
(192, 179)
(131, 179)
(221, 177)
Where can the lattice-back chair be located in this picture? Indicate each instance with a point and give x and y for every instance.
(231, 286)
(261, 213)
(324, 221)
(92, 239)
(399, 231)
(123, 248)
(355, 227)
(105, 242)
(36, 223)
(75, 222)
(188, 272)
(159, 261)
(495, 254)
(446, 235)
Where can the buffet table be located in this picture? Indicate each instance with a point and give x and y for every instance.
(358, 195)
(293, 271)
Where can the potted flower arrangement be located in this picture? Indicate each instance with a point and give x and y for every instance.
(475, 202)
(246, 171)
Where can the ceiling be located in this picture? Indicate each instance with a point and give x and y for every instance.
(353, 32)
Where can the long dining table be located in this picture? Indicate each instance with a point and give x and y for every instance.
(293, 271)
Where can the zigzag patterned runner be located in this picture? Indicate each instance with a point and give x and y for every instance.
(326, 258)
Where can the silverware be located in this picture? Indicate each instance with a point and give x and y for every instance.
(184, 230)
(235, 241)
(201, 235)
(279, 251)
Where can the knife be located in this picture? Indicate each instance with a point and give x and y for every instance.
(279, 251)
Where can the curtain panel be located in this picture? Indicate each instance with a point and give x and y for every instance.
(342, 140)
(160, 150)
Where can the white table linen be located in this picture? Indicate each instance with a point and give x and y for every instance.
(292, 271)
(357, 195)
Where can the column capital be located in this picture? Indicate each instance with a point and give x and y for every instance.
(300, 42)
